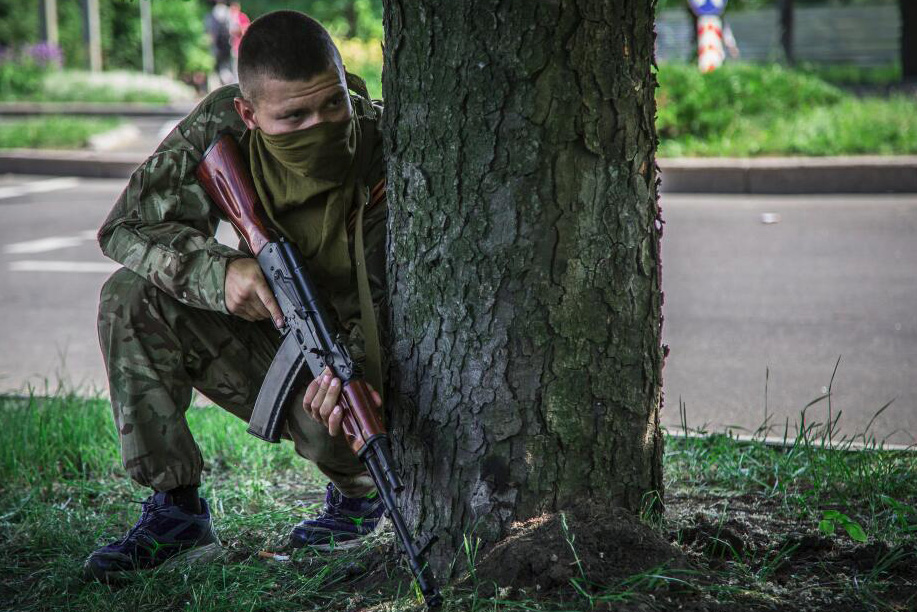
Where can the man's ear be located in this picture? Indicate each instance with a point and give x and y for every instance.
(246, 111)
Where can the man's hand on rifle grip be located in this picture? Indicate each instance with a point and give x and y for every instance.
(321, 401)
(248, 294)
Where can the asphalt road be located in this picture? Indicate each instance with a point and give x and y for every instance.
(749, 302)
(835, 276)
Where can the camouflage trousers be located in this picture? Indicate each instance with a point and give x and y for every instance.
(157, 349)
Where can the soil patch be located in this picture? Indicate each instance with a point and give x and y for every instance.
(591, 545)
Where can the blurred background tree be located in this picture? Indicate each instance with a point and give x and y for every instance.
(360, 19)
(853, 54)
(180, 44)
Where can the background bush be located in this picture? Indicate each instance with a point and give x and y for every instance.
(755, 109)
(707, 105)
(180, 42)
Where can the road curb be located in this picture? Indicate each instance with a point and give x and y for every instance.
(773, 175)
(790, 175)
(69, 163)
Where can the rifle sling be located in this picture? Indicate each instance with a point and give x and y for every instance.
(367, 312)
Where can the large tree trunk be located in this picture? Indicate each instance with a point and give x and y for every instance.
(524, 259)
(909, 39)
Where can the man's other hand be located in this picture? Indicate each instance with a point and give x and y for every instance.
(247, 293)
(321, 401)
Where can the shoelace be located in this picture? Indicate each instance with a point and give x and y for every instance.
(147, 508)
(333, 498)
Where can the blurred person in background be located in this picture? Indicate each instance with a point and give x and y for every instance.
(238, 24)
(219, 26)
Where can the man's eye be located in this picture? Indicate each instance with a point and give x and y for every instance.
(336, 102)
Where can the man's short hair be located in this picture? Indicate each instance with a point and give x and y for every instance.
(285, 45)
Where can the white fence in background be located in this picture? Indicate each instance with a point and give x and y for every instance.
(863, 35)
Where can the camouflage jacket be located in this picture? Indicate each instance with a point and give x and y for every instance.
(163, 225)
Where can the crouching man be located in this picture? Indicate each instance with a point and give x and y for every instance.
(188, 313)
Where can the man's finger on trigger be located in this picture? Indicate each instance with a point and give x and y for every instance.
(269, 303)
(258, 312)
(257, 305)
(377, 399)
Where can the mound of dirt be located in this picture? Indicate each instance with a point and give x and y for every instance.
(610, 545)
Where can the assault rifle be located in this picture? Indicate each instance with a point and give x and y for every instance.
(310, 343)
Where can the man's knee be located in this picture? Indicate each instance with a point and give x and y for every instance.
(130, 309)
(124, 294)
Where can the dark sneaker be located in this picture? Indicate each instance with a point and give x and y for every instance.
(343, 522)
(163, 534)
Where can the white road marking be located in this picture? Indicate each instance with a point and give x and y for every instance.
(43, 245)
(55, 184)
(52, 243)
(87, 267)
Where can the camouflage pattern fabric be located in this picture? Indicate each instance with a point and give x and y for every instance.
(156, 349)
(163, 323)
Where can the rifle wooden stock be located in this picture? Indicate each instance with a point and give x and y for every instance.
(224, 175)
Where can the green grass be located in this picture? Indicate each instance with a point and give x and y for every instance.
(749, 110)
(52, 132)
(63, 493)
(850, 127)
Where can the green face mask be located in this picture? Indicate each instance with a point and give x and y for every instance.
(296, 166)
(306, 182)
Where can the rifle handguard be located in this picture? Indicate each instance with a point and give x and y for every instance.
(361, 418)
(223, 171)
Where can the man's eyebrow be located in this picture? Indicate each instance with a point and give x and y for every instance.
(304, 107)
(295, 108)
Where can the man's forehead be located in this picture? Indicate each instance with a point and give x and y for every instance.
(276, 92)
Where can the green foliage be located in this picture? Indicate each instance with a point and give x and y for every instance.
(52, 132)
(179, 43)
(852, 127)
(811, 476)
(360, 19)
(832, 517)
(20, 80)
(748, 110)
(364, 58)
(63, 493)
(707, 105)
(18, 22)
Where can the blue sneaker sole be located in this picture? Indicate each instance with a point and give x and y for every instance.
(349, 543)
(197, 555)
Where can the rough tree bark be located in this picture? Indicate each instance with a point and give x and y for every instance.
(524, 259)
